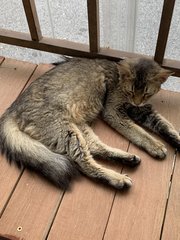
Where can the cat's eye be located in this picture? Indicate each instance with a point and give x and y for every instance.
(146, 89)
(131, 93)
(147, 95)
(132, 88)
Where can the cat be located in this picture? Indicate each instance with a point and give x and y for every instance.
(48, 127)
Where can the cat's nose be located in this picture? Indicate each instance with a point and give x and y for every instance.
(137, 101)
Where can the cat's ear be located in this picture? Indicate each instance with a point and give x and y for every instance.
(163, 75)
(124, 69)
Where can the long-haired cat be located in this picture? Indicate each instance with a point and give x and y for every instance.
(47, 128)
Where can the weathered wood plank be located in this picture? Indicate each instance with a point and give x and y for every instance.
(13, 77)
(32, 207)
(84, 212)
(139, 213)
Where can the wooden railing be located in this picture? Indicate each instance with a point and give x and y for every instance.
(35, 40)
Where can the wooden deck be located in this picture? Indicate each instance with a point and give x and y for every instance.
(33, 209)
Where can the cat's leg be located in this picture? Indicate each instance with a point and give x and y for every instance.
(152, 120)
(116, 117)
(78, 151)
(100, 150)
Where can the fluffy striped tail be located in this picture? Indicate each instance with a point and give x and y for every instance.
(25, 151)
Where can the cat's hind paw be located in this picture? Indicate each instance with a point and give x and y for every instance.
(121, 181)
(159, 151)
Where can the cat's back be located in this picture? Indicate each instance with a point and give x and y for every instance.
(77, 77)
(74, 90)
(80, 71)
(78, 82)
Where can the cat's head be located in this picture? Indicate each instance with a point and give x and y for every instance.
(141, 78)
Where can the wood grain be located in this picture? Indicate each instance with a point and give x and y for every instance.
(139, 213)
(32, 206)
(13, 77)
(84, 212)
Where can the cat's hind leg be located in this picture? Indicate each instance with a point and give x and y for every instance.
(100, 150)
(78, 151)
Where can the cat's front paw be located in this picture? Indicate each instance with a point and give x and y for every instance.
(177, 146)
(132, 161)
(158, 150)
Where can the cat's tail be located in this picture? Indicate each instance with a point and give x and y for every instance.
(25, 151)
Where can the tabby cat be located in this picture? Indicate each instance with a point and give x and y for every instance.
(47, 128)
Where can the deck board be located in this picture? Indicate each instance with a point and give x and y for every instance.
(13, 77)
(32, 208)
(90, 210)
(171, 229)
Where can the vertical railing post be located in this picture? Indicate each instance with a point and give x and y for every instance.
(32, 19)
(93, 23)
(164, 28)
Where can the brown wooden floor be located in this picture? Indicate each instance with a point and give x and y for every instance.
(31, 208)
